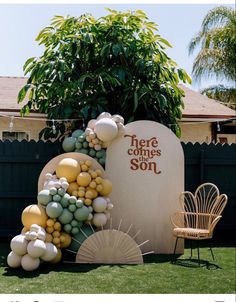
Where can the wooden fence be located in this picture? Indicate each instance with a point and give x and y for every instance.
(22, 162)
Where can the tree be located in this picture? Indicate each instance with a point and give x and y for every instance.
(116, 63)
(217, 55)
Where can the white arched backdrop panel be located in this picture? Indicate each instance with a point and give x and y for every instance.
(146, 167)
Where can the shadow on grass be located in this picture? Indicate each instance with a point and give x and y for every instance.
(194, 263)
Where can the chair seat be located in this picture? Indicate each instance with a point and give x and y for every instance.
(192, 233)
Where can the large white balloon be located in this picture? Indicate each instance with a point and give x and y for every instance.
(19, 245)
(29, 263)
(14, 260)
(106, 129)
(50, 253)
(99, 204)
(36, 248)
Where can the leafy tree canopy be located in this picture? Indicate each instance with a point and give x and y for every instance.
(115, 63)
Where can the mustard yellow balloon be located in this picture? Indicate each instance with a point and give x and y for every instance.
(65, 240)
(106, 187)
(34, 214)
(68, 168)
(57, 258)
(73, 186)
(83, 179)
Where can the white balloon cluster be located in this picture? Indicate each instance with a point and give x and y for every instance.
(29, 249)
(101, 131)
(51, 181)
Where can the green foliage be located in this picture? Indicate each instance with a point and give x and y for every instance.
(217, 55)
(116, 63)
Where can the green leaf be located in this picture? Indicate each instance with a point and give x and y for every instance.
(22, 93)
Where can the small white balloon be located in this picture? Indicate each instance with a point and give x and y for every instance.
(65, 185)
(103, 115)
(118, 118)
(99, 219)
(48, 176)
(91, 123)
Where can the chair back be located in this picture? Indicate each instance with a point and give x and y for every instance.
(203, 209)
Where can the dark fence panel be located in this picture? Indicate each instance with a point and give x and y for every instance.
(22, 162)
(216, 164)
(20, 166)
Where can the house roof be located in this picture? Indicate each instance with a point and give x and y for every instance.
(196, 105)
(200, 106)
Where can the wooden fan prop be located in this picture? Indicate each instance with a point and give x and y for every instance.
(110, 246)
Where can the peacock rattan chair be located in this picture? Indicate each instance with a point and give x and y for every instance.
(199, 216)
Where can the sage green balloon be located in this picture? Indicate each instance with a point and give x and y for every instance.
(81, 214)
(44, 197)
(54, 209)
(65, 200)
(68, 144)
(66, 216)
(77, 133)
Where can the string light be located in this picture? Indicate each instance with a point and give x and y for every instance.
(40, 119)
(53, 127)
(11, 124)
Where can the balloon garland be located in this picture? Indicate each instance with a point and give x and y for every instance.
(74, 196)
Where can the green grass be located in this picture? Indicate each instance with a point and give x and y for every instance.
(157, 275)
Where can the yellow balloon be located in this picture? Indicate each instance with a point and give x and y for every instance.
(73, 186)
(34, 213)
(68, 168)
(57, 258)
(48, 238)
(83, 179)
(65, 240)
(106, 187)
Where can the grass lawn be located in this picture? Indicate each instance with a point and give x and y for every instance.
(157, 275)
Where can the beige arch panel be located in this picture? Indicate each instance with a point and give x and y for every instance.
(50, 167)
(109, 247)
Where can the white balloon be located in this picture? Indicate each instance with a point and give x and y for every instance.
(19, 245)
(14, 260)
(29, 263)
(31, 235)
(99, 219)
(106, 129)
(91, 123)
(118, 118)
(36, 248)
(99, 204)
(104, 115)
(50, 253)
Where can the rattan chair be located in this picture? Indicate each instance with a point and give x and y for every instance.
(199, 216)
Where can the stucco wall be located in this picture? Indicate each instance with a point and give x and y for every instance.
(31, 127)
(199, 132)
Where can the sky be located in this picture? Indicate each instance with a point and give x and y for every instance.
(21, 23)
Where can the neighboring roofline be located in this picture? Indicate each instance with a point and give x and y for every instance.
(206, 117)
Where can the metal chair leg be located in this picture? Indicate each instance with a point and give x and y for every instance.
(211, 251)
(198, 253)
(173, 258)
(191, 246)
